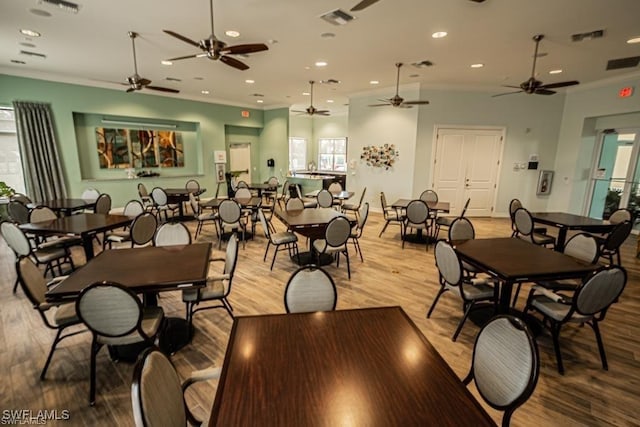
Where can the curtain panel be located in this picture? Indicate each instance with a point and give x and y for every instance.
(44, 179)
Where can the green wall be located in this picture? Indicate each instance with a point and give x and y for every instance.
(212, 121)
(274, 144)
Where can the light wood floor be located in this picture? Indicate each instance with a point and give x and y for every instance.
(585, 395)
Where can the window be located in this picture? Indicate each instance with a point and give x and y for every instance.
(10, 163)
(332, 154)
(297, 153)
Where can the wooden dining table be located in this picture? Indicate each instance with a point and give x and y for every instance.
(364, 367)
(401, 204)
(66, 206)
(566, 221)
(179, 196)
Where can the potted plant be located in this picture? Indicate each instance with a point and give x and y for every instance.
(5, 190)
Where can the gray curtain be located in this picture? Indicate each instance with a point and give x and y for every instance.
(43, 175)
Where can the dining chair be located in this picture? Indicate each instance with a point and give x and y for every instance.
(270, 195)
(310, 289)
(145, 198)
(294, 204)
(417, 217)
(90, 194)
(218, 286)
(230, 217)
(429, 196)
(157, 396)
(505, 364)
(297, 190)
(44, 213)
(610, 245)
(161, 203)
(18, 212)
(192, 185)
(132, 209)
(19, 197)
(139, 233)
(202, 217)
(335, 188)
(620, 215)
(452, 278)
(284, 238)
(514, 205)
(356, 233)
(390, 214)
(103, 204)
(525, 230)
(324, 198)
(462, 229)
(588, 305)
(335, 240)
(352, 207)
(172, 233)
(282, 198)
(35, 287)
(115, 316)
(445, 221)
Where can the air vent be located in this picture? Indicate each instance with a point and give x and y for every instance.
(173, 79)
(337, 17)
(617, 64)
(423, 64)
(259, 95)
(330, 81)
(67, 6)
(587, 36)
(28, 53)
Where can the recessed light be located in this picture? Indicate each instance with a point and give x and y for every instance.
(321, 63)
(634, 40)
(272, 41)
(15, 61)
(259, 101)
(478, 65)
(204, 92)
(374, 82)
(64, 5)
(165, 62)
(249, 81)
(29, 33)
(555, 71)
(439, 34)
(232, 33)
(306, 93)
(40, 12)
(330, 101)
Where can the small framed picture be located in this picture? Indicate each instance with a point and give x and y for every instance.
(544, 183)
(220, 156)
(220, 172)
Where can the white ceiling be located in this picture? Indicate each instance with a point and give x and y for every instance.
(93, 45)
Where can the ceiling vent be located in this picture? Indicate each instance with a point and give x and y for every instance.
(28, 53)
(67, 6)
(587, 36)
(330, 81)
(337, 17)
(617, 64)
(423, 64)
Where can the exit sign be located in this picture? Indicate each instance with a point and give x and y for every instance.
(625, 92)
(245, 113)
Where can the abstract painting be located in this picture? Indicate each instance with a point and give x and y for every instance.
(139, 148)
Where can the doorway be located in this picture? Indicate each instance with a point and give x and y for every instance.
(466, 166)
(615, 179)
(240, 161)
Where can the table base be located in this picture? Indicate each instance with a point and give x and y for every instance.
(485, 312)
(307, 258)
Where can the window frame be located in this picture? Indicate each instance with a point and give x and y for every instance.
(333, 154)
(306, 146)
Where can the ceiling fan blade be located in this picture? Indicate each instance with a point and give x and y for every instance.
(379, 105)
(184, 57)
(560, 84)
(415, 102)
(322, 113)
(515, 87)
(241, 49)
(144, 82)
(403, 105)
(506, 93)
(131, 89)
(543, 91)
(363, 5)
(183, 38)
(163, 89)
(233, 62)
(298, 111)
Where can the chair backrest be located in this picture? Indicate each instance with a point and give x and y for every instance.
(620, 215)
(617, 236)
(265, 226)
(584, 247)
(383, 201)
(15, 238)
(461, 229)
(90, 194)
(143, 228)
(363, 214)
(338, 231)
(231, 256)
(599, 290)
(448, 263)
(156, 392)
(294, 204)
(523, 221)
(42, 213)
(159, 196)
(172, 233)
(505, 364)
(142, 190)
(335, 187)
(465, 207)
(285, 189)
(364, 191)
(33, 282)
(229, 211)
(103, 204)
(19, 197)
(243, 193)
(18, 212)
(242, 184)
(217, 190)
(429, 196)
(192, 185)
(273, 181)
(310, 288)
(325, 199)
(133, 208)
(195, 205)
(514, 205)
(417, 212)
(109, 309)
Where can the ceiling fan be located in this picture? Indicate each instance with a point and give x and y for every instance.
(366, 3)
(311, 110)
(533, 85)
(214, 49)
(398, 101)
(135, 81)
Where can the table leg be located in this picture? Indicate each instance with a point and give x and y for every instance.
(562, 237)
(504, 305)
(87, 244)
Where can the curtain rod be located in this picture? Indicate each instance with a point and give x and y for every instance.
(133, 123)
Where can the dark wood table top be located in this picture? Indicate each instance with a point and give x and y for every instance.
(253, 202)
(312, 217)
(80, 224)
(342, 195)
(147, 269)
(367, 367)
(438, 206)
(66, 204)
(515, 260)
(176, 192)
(571, 221)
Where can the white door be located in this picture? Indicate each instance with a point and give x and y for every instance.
(466, 166)
(240, 160)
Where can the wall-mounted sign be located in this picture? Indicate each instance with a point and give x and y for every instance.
(220, 156)
(245, 113)
(625, 92)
